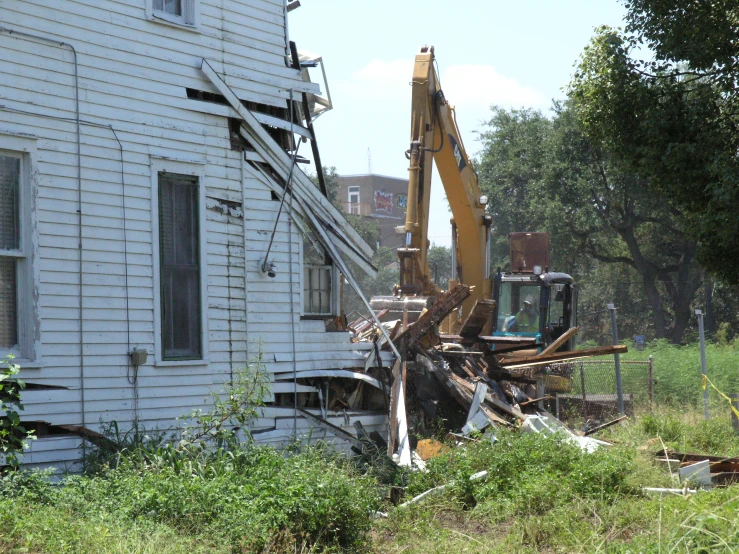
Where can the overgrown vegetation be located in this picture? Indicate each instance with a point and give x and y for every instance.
(13, 435)
(541, 494)
(244, 500)
(210, 489)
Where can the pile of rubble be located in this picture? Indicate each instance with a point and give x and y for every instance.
(494, 381)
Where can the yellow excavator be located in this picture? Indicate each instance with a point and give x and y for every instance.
(435, 137)
(530, 301)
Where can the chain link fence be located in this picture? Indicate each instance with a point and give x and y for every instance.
(584, 392)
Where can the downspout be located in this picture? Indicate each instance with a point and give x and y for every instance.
(61, 44)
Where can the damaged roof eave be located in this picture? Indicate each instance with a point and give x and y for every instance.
(280, 161)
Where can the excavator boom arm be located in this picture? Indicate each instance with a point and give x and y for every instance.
(435, 136)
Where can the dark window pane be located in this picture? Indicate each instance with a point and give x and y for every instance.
(173, 7)
(8, 303)
(180, 266)
(10, 169)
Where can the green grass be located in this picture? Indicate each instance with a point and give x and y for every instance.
(677, 371)
(541, 495)
(250, 500)
(547, 496)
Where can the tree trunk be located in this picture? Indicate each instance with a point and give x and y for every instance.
(655, 301)
(688, 280)
(649, 279)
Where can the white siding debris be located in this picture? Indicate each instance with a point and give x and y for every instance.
(133, 76)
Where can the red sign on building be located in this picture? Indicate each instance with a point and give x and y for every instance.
(383, 201)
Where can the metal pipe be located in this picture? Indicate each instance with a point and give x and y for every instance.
(61, 44)
(454, 249)
(411, 214)
(265, 262)
(488, 234)
(651, 382)
(289, 190)
(617, 360)
(702, 335)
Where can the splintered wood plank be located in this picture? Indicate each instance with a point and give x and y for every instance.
(562, 356)
(476, 320)
(563, 338)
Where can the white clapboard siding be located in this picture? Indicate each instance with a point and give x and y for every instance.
(133, 76)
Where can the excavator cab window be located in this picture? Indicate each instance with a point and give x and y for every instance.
(556, 318)
(518, 308)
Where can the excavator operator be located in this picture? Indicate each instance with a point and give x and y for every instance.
(526, 320)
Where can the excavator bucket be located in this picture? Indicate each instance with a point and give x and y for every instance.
(411, 306)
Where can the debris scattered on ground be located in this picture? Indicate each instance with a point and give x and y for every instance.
(701, 469)
(476, 383)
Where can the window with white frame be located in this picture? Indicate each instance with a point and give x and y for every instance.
(10, 246)
(16, 278)
(319, 290)
(179, 267)
(354, 207)
(183, 12)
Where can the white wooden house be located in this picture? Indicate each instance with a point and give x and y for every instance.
(143, 160)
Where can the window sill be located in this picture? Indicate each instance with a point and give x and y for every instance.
(181, 363)
(174, 23)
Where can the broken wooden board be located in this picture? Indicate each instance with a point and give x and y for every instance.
(476, 320)
(559, 341)
(489, 398)
(564, 356)
(516, 348)
(331, 428)
(365, 322)
(461, 394)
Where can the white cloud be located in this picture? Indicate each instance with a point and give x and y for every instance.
(468, 86)
(379, 80)
(480, 86)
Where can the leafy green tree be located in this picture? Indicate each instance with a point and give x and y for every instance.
(672, 119)
(547, 175)
(510, 171)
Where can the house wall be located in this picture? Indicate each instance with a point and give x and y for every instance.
(133, 74)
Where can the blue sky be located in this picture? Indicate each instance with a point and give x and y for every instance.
(510, 53)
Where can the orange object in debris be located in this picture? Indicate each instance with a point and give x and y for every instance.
(430, 448)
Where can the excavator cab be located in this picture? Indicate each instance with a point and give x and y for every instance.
(542, 306)
(531, 302)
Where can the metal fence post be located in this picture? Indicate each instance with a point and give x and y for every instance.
(582, 383)
(699, 313)
(651, 382)
(617, 360)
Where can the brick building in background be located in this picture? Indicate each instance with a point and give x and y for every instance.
(377, 197)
